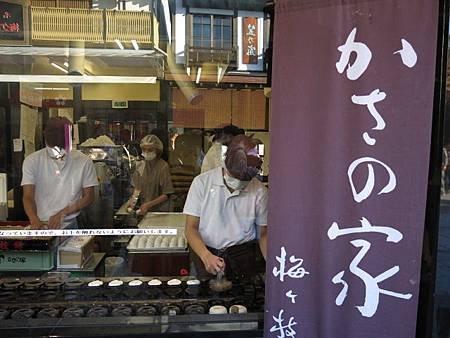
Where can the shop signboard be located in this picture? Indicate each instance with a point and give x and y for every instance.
(119, 104)
(350, 141)
(13, 22)
(249, 40)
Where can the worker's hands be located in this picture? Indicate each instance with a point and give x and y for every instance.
(132, 202)
(145, 207)
(213, 264)
(55, 221)
(36, 224)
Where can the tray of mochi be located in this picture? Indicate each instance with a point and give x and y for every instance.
(160, 242)
(157, 243)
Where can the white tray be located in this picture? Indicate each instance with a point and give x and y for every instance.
(132, 245)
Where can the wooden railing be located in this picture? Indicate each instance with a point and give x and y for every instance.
(66, 24)
(90, 25)
(62, 3)
(195, 56)
(127, 25)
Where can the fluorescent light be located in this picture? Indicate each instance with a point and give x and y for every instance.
(59, 67)
(119, 43)
(219, 73)
(199, 73)
(135, 44)
(51, 88)
(88, 52)
(66, 64)
(188, 71)
(76, 79)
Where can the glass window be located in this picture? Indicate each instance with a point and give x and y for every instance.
(104, 139)
(220, 30)
(119, 133)
(202, 30)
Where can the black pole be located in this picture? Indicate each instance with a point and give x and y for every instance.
(77, 103)
(15, 169)
(425, 314)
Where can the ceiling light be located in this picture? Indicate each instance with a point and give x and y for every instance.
(51, 88)
(135, 44)
(199, 73)
(76, 79)
(119, 44)
(59, 67)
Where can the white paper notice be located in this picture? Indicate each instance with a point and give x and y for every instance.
(17, 145)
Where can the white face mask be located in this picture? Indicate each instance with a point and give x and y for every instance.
(234, 183)
(149, 155)
(56, 152)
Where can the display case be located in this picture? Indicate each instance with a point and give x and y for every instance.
(160, 254)
(25, 254)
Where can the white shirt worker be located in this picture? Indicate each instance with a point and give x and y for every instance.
(226, 218)
(56, 187)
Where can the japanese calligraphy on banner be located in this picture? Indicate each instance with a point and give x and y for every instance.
(355, 85)
(249, 40)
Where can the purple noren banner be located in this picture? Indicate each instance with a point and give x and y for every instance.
(350, 135)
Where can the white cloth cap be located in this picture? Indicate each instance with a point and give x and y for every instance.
(152, 140)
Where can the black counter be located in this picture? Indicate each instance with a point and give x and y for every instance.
(227, 325)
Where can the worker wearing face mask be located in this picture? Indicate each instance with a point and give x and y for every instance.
(151, 180)
(226, 211)
(57, 181)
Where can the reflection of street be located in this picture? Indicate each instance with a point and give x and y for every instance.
(443, 263)
(442, 290)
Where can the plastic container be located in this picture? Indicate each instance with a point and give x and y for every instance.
(27, 260)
